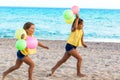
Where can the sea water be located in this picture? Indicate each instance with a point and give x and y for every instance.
(99, 24)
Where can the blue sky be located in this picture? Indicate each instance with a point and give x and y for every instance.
(109, 4)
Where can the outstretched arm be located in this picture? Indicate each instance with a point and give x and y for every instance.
(43, 46)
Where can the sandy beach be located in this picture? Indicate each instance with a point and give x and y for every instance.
(101, 61)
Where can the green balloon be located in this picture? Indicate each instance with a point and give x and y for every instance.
(68, 14)
(19, 33)
(20, 44)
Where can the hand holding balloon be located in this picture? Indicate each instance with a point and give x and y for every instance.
(22, 36)
(77, 16)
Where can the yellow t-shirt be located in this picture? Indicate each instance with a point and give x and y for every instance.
(75, 38)
(28, 51)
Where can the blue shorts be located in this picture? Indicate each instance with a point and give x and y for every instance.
(69, 47)
(20, 55)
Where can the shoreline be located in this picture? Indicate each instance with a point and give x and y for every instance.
(100, 61)
(89, 41)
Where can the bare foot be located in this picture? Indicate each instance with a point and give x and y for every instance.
(81, 75)
(52, 72)
(48, 75)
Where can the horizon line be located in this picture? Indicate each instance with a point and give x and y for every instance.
(57, 7)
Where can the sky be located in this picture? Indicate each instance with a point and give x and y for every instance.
(103, 4)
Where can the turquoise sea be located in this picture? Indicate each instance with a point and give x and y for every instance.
(99, 24)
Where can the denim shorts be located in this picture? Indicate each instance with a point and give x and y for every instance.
(69, 47)
(20, 56)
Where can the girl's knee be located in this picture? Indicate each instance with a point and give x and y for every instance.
(32, 65)
(79, 59)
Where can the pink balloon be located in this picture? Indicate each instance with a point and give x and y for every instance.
(75, 9)
(31, 42)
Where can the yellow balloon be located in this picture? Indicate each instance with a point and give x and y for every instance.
(19, 33)
(70, 21)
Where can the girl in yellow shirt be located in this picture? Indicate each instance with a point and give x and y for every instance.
(22, 56)
(75, 39)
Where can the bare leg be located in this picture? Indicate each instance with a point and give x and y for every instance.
(28, 61)
(75, 54)
(60, 62)
(16, 66)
